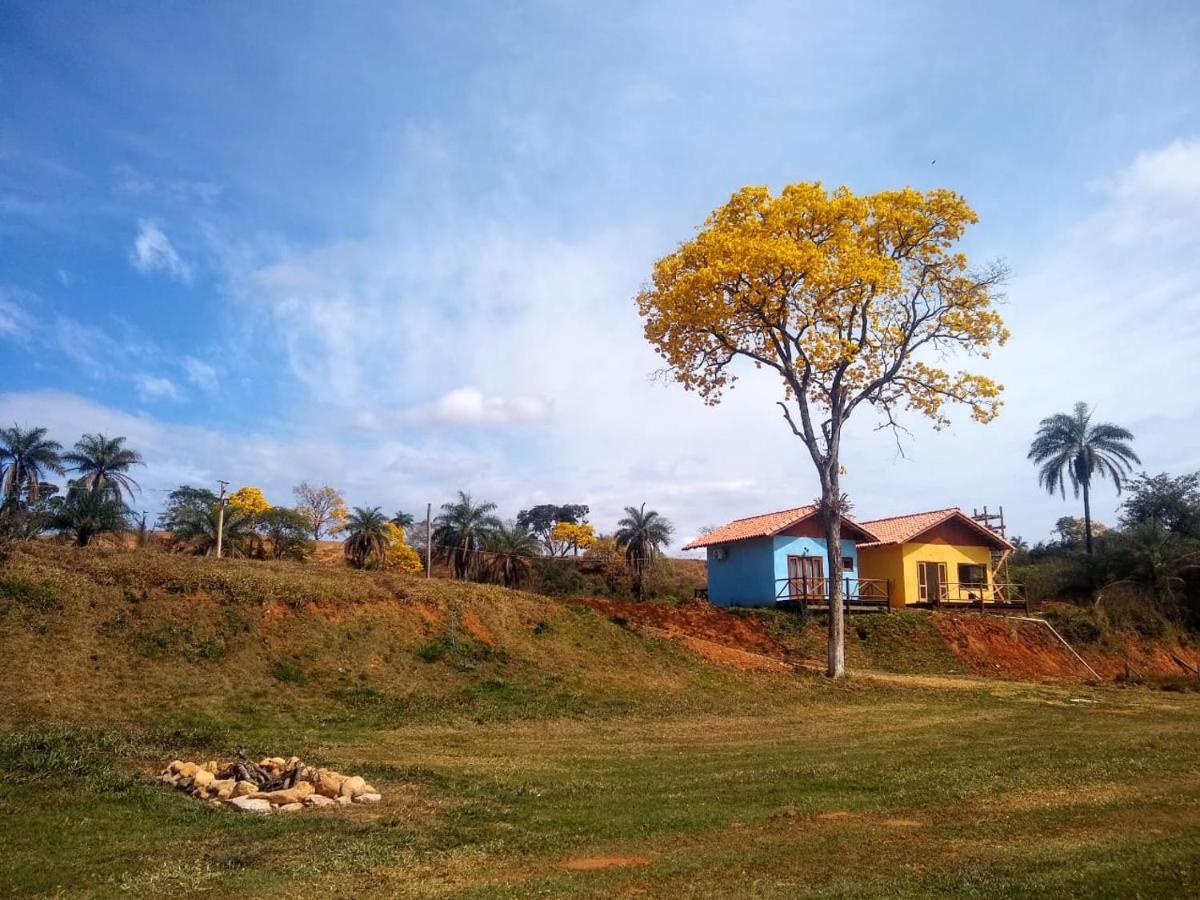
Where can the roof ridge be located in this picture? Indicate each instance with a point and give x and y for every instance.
(927, 512)
(772, 513)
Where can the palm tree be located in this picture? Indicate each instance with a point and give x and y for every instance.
(87, 511)
(461, 529)
(195, 527)
(642, 535)
(367, 535)
(510, 554)
(25, 458)
(1070, 448)
(104, 463)
(403, 520)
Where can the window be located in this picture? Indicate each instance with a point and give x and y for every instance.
(848, 563)
(970, 575)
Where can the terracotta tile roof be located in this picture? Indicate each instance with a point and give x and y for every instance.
(753, 526)
(901, 529)
(762, 526)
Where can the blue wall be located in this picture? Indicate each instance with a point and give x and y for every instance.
(752, 572)
(745, 577)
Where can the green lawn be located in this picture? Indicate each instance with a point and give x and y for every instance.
(907, 787)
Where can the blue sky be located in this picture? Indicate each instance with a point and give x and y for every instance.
(394, 247)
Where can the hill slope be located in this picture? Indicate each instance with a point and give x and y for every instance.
(104, 633)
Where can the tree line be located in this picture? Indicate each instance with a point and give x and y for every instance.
(467, 535)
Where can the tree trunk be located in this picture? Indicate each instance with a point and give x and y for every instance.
(1087, 518)
(831, 518)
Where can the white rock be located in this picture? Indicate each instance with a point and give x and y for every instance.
(368, 798)
(290, 807)
(250, 804)
(318, 800)
(343, 801)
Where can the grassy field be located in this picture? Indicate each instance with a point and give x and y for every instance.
(557, 753)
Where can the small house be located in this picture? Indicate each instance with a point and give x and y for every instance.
(781, 557)
(937, 558)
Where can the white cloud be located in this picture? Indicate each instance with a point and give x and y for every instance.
(14, 322)
(200, 373)
(548, 324)
(137, 184)
(155, 387)
(153, 252)
(1156, 197)
(469, 406)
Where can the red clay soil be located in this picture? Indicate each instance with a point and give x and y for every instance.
(700, 621)
(994, 645)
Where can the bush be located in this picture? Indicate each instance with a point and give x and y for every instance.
(27, 595)
(1067, 577)
(1128, 607)
(1074, 623)
(558, 578)
(288, 673)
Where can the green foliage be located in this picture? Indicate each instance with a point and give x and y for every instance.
(28, 595)
(1069, 448)
(557, 577)
(540, 520)
(103, 464)
(1076, 624)
(510, 555)
(193, 516)
(460, 531)
(89, 510)
(1058, 577)
(642, 534)
(58, 752)
(1172, 503)
(26, 456)
(288, 672)
(286, 531)
(367, 537)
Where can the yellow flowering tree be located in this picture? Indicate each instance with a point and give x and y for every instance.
(849, 299)
(399, 556)
(323, 507)
(576, 535)
(250, 501)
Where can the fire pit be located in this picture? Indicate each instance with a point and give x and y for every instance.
(273, 784)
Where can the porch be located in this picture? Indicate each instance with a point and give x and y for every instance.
(998, 597)
(859, 595)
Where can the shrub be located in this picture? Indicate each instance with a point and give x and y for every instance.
(288, 673)
(1074, 623)
(18, 591)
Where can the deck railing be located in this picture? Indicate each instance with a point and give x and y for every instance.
(998, 595)
(814, 592)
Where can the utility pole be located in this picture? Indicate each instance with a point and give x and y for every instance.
(428, 540)
(221, 516)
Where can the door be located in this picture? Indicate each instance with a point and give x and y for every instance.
(806, 578)
(931, 581)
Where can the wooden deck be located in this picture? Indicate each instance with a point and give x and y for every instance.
(1002, 607)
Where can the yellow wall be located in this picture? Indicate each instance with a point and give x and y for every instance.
(885, 563)
(898, 563)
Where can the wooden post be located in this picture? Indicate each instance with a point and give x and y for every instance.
(221, 518)
(428, 540)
